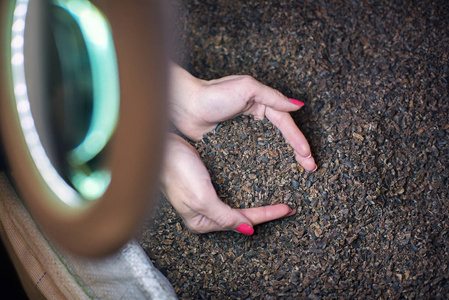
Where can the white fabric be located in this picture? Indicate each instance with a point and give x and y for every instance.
(49, 273)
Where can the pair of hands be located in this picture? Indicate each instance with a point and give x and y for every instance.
(197, 106)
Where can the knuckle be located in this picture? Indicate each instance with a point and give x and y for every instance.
(197, 225)
(193, 228)
(198, 204)
(200, 201)
(248, 80)
(225, 221)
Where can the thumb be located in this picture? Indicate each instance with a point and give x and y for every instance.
(227, 218)
(224, 217)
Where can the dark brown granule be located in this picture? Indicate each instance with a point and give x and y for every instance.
(373, 221)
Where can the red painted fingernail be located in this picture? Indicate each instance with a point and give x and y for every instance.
(245, 229)
(296, 102)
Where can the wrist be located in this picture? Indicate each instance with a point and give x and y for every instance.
(183, 91)
(182, 84)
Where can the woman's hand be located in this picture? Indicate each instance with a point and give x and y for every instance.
(187, 185)
(197, 106)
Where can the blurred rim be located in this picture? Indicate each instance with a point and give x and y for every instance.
(110, 221)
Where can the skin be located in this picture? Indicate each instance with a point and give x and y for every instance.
(197, 106)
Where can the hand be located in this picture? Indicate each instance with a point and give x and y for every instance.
(187, 185)
(197, 106)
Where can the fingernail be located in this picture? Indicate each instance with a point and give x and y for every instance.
(309, 156)
(291, 213)
(296, 102)
(316, 167)
(245, 229)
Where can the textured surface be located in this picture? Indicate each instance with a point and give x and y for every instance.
(373, 219)
(48, 273)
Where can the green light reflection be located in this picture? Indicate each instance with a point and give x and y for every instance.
(97, 36)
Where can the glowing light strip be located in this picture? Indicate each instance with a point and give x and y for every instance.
(46, 169)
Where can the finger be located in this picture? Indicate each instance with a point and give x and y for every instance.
(274, 99)
(294, 137)
(258, 215)
(284, 122)
(194, 196)
(308, 163)
(257, 111)
(218, 216)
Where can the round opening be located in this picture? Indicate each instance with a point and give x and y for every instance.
(85, 171)
(66, 89)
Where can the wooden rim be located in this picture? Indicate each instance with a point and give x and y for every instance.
(105, 225)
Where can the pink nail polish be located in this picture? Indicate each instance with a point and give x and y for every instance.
(245, 229)
(296, 102)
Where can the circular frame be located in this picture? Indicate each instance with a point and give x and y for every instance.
(104, 225)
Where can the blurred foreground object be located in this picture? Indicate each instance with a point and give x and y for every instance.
(82, 115)
(47, 272)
